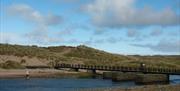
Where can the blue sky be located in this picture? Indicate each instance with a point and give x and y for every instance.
(145, 27)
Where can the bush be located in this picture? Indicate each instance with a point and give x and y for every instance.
(23, 61)
(11, 65)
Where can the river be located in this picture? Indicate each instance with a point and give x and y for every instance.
(61, 84)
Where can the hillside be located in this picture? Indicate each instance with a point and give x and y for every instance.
(34, 55)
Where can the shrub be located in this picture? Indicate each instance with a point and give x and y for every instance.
(11, 65)
(23, 61)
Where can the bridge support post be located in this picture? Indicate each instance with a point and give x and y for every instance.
(93, 71)
(75, 69)
(168, 78)
(152, 78)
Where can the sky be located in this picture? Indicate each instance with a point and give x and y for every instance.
(129, 27)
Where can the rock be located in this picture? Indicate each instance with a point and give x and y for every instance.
(107, 75)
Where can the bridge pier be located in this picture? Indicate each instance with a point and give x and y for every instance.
(152, 79)
(93, 71)
(168, 78)
(120, 76)
(107, 75)
(75, 69)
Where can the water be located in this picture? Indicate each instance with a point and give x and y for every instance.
(58, 84)
(52, 84)
(175, 79)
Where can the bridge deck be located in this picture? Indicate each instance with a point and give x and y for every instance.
(149, 70)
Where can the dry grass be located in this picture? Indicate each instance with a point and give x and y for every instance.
(80, 55)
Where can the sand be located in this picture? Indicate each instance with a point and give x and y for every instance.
(20, 73)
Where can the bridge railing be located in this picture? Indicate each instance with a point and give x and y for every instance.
(120, 68)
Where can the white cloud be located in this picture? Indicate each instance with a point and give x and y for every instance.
(65, 1)
(40, 36)
(67, 31)
(42, 22)
(28, 13)
(53, 19)
(6, 37)
(25, 12)
(120, 13)
(156, 32)
(132, 33)
(135, 35)
(113, 40)
(163, 46)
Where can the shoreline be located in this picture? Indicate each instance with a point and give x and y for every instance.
(41, 73)
(137, 88)
(53, 73)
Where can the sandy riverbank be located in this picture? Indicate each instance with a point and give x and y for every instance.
(40, 73)
(21, 73)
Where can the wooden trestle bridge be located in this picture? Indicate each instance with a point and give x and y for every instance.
(145, 70)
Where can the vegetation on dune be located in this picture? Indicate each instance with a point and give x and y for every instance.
(99, 57)
(30, 51)
(10, 64)
(86, 55)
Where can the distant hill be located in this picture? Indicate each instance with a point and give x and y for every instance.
(34, 55)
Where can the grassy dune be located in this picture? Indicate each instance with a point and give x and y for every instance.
(80, 55)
